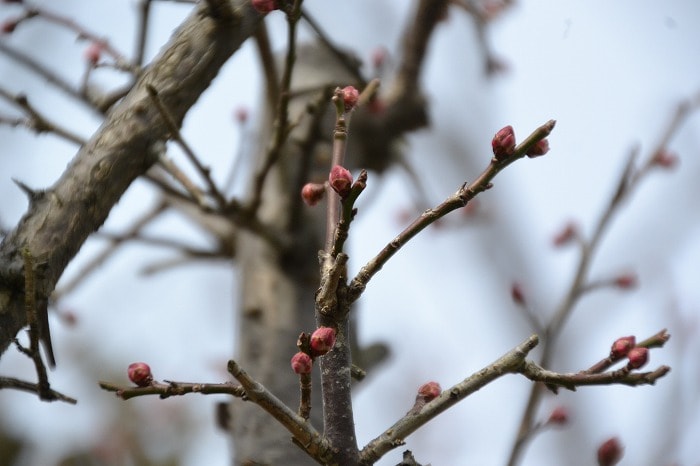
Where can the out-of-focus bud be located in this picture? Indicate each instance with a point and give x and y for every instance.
(312, 193)
(503, 143)
(350, 97)
(8, 26)
(140, 374)
(340, 180)
(265, 6)
(241, 115)
(517, 293)
(566, 235)
(322, 340)
(626, 281)
(610, 452)
(559, 416)
(665, 159)
(93, 53)
(302, 363)
(622, 346)
(379, 56)
(638, 357)
(541, 147)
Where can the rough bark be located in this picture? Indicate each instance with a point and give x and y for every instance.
(60, 219)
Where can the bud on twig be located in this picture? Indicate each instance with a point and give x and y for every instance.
(541, 147)
(503, 143)
(265, 6)
(301, 363)
(626, 281)
(322, 340)
(350, 97)
(340, 180)
(610, 452)
(312, 193)
(664, 159)
(638, 357)
(140, 374)
(518, 295)
(621, 347)
(93, 53)
(566, 235)
(559, 416)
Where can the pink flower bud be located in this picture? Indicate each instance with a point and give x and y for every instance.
(626, 281)
(265, 6)
(322, 340)
(665, 159)
(379, 56)
(503, 143)
(518, 295)
(541, 147)
(638, 357)
(140, 374)
(610, 452)
(560, 416)
(621, 347)
(241, 115)
(566, 235)
(429, 391)
(93, 52)
(312, 193)
(350, 97)
(8, 26)
(302, 363)
(340, 180)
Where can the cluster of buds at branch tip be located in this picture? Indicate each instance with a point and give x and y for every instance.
(350, 97)
(302, 363)
(610, 452)
(265, 6)
(637, 357)
(312, 193)
(503, 143)
(322, 341)
(621, 347)
(559, 416)
(340, 180)
(140, 374)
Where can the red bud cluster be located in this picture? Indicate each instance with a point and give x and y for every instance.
(350, 97)
(621, 347)
(638, 357)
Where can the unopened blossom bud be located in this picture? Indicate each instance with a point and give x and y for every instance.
(8, 26)
(265, 6)
(322, 340)
(350, 97)
(429, 391)
(140, 374)
(93, 52)
(241, 115)
(626, 281)
(503, 143)
(638, 357)
(312, 193)
(559, 416)
(664, 159)
(566, 235)
(517, 293)
(379, 56)
(340, 180)
(541, 147)
(302, 363)
(621, 347)
(610, 452)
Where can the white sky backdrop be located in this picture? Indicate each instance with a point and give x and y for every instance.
(610, 73)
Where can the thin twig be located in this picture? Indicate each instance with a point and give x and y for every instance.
(456, 201)
(168, 389)
(17, 384)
